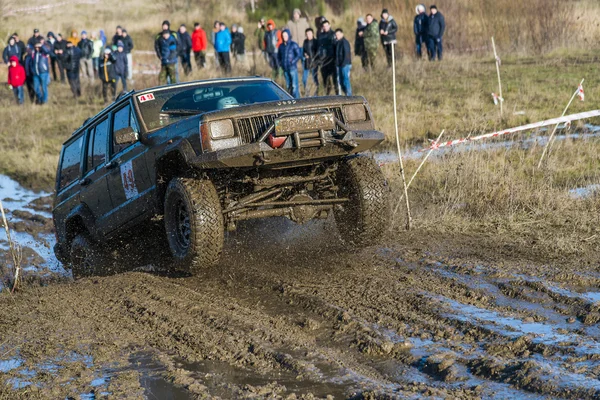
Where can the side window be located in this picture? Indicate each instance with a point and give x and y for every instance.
(70, 164)
(96, 151)
(122, 119)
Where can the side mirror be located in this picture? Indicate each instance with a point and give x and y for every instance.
(126, 136)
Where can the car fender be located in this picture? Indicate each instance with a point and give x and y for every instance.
(83, 213)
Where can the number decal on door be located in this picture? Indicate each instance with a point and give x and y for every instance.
(128, 180)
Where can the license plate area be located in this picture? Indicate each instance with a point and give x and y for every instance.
(304, 123)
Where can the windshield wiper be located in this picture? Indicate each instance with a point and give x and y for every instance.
(181, 112)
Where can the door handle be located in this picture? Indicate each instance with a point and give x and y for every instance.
(112, 165)
(85, 182)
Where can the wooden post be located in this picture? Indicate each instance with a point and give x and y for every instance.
(14, 250)
(408, 216)
(547, 146)
(498, 72)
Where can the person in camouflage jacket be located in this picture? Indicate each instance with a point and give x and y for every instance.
(371, 35)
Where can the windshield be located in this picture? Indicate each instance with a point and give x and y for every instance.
(164, 107)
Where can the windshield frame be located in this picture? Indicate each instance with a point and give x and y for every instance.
(188, 85)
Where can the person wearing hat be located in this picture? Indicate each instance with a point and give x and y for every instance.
(72, 61)
(199, 44)
(185, 49)
(121, 65)
(128, 42)
(297, 25)
(39, 68)
(16, 78)
(359, 42)
(106, 73)
(420, 27)
(326, 51)
(371, 40)
(166, 26)
(11, 50)
(436, 28)
(288, 55)
(34, 39)
(387, 29)
(168, 58)
(238, 44)
(74, 38)
(87, 50)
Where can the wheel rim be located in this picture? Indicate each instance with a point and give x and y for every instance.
(183, 229)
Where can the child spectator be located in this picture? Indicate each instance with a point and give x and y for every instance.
(106, 71)
(16, 78)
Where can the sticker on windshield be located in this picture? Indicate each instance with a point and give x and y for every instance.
(128, 180)
(146, 97)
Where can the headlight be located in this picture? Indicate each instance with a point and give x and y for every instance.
(221, 129)
(355, 113)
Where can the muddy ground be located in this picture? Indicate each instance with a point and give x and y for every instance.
(292, 312)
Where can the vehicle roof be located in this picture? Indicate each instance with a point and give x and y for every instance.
(126, 96)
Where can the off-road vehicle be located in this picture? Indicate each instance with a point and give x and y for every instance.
(199, 157)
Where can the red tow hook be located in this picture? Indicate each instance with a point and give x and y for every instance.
(276, 141)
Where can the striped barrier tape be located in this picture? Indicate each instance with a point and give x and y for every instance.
(567, 119)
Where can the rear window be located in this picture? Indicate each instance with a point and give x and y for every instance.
(122, 119)
(70, 164)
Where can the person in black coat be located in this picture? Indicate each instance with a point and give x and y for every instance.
(60, 48)
(185, 49)
(22, 47)
(343, 62)
(12, 49)
(420, 27)
(359, 43)
(107, 74)
(35, 38)
(71, 60)
(387, 29)
(436, 28)
(238, 44)
(121, 65)
(326, 58)
(309, 64)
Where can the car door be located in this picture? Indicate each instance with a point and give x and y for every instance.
(94, 184)
(130, 186)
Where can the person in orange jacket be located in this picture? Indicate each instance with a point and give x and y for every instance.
(272, 43)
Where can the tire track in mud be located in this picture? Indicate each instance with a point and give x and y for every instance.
(292, 310)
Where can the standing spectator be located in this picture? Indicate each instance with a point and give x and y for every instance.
(222, 47)
(39, 67)
(213, 38)
(28, 64)
(259, 35)
(121, 65)
(309, 51)
(185, 49)
(297, 25)
(106, 71)
(343, 61)
(166, 26)
(420, 28)
(359, 42)
(199, 44)
(60, 47)
(128, 42)
(34, 39)
(97, 42)
(387, 30)
(51, 41)
(21, 46)
(87, 50)
(238, 44)
(288, 55)
(326, 43)
(118, 36)
(11, 50)
(436, 28)
(167, 46)
(271, 45)
(319, 25)
(47, 46)
(16, 78)
(103, 37)
(74, 38)
(72, 61)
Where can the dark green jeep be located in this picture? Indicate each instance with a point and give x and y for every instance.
(199, 157)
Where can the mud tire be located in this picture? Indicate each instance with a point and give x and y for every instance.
(364, 219)
(195, 240)
(87, 258)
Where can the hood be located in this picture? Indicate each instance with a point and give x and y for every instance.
(289, 34)
(272, 23)
(51, 35)
(296, 10)
(361, 22)
(14, 58)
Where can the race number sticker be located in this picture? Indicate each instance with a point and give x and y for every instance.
(146, 97)
(128, 180)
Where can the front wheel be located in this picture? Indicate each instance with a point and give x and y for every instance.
(365, 217)
(194, 223)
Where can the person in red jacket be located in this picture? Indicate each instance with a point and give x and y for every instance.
(16, 78)
(199, 43)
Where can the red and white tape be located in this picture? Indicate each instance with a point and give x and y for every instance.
(567, 119)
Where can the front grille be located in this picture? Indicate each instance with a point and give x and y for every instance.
(251, 128)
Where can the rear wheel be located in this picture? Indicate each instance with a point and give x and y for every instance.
(87, 258)
(194, 223)
(364, 219)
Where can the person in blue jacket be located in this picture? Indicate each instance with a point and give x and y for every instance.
(223, 46)
(436, 28)
(167, 50)
(421, 28)
(39, 68)
(288, 55)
